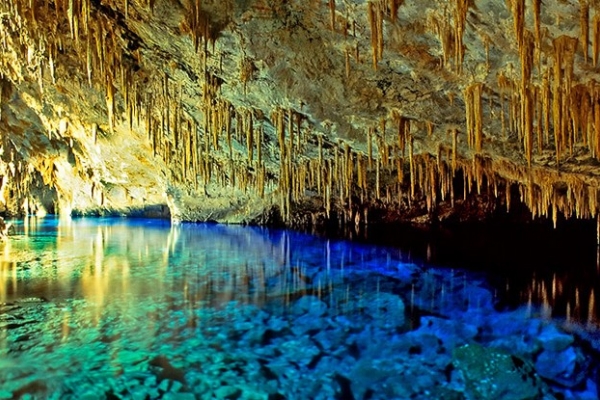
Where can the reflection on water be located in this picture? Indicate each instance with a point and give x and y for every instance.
(97, 304)
(535, 264)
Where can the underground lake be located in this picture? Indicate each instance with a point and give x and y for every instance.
(116, 308)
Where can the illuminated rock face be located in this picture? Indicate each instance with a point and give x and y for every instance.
(224, 109)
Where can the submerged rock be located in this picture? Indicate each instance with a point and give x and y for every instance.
(552, 339)
(563, 367)
(386, 309)
(311, 305)
(451, 332)
(493, 374)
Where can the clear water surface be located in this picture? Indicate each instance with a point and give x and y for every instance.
(142, 309)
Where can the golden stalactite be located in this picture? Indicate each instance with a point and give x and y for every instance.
(370, 133)
(199, 26)
(332, 14)
(474, 115)
(445, 33)
(596, 111)
(394, 5)
(517, 7)
(526, 94)
(454, 133)
(564, 52)
(375, 11)
(347, 63)
(596, 37)
(584, 26)
(537, 10)
(461, 9)
(249, 128)
(545, 100)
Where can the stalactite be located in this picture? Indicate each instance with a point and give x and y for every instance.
(539, 113)
(347, 56)
(71, 17)
(260, 138)
(596, 38)
(377, 185)
(88, 58)
(517, 8)
(110, 102)
(461, 8)
(584, 26)
(348, 171)
(537, 7)
(474, 116)
(545, 95)
(394, 5)
(412, 167)
(527, 101)
(290, 151)
(446, 34)
(249, 126)
(332, 14)
(375, 14)
(454, 149)
(370, 133)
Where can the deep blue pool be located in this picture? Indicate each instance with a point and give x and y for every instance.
(142, 309)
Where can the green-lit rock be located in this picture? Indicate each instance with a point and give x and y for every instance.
(228, 392)
(493, 374)
(179, 396)
(5, 394)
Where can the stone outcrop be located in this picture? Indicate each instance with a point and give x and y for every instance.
(223, 110)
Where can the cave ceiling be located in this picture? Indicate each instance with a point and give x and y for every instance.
(223, 108)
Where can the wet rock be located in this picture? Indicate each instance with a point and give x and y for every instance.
(311, 305)
(127, 357)
(300, 350)
(228, 392)
(345, 388)
(451, 332)
(505, 324)
(310, 324)
(88, 395)
(493, 374)
(426, 344)
(32, 300)
(552, 339)
(179, 396)
(166, 370)
(562, 367)
(331, 339)
(385, 308)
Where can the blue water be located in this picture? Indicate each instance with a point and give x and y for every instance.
(116, 308)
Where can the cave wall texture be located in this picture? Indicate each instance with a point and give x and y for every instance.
(228, 109)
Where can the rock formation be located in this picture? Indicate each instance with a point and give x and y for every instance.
(228, 109)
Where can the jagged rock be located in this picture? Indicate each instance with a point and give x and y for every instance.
(311, 305)
(386, 309)
(552, 339)
(563, 367)
(452, 333)
(228, 393)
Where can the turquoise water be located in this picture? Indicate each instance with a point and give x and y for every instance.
(142, 309)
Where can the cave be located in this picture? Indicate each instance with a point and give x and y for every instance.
(312, 199)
